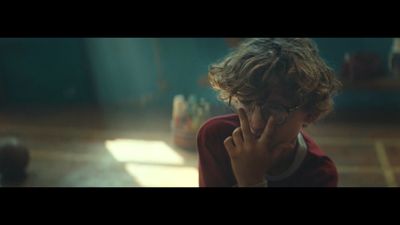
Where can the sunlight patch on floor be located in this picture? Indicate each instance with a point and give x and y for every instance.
(163, 176)
(153, 163)
(130, 150)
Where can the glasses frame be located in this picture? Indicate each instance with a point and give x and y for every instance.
(288, 109)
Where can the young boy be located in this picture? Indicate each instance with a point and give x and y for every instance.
(277, 86)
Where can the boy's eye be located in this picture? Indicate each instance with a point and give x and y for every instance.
(273, 109)
(276, 108)
(247, 104)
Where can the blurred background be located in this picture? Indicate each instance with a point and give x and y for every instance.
(124, 112)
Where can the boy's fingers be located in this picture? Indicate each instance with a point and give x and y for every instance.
(238, 136)
(229, 145)
(268, 131)
(244, 124)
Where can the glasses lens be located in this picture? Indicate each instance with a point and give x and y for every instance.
(278, 112)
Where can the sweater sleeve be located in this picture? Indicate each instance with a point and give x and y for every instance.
(320, 173)
(214, 162)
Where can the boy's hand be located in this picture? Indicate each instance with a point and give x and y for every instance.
(252, 158)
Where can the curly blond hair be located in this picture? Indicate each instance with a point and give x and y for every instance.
(262, 65)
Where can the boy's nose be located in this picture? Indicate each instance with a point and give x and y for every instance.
(257, 122)
(256, 132)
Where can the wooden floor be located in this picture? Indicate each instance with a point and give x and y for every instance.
(366, 155)
(89, 148)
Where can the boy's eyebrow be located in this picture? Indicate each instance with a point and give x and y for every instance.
(265, 103)
(277, 99)
(274, 102)
(271, 99)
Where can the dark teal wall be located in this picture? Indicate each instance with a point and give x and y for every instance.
(186, 60)
(145, 71)
(151, 70)
(123, 69)
(333, 51)
(44, 71)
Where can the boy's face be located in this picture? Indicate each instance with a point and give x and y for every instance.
(289, 125)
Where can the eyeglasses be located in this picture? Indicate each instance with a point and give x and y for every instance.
(278, 111)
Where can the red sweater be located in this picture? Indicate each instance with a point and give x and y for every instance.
(316, 169)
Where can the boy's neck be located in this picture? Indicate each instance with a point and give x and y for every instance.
(285, 162)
